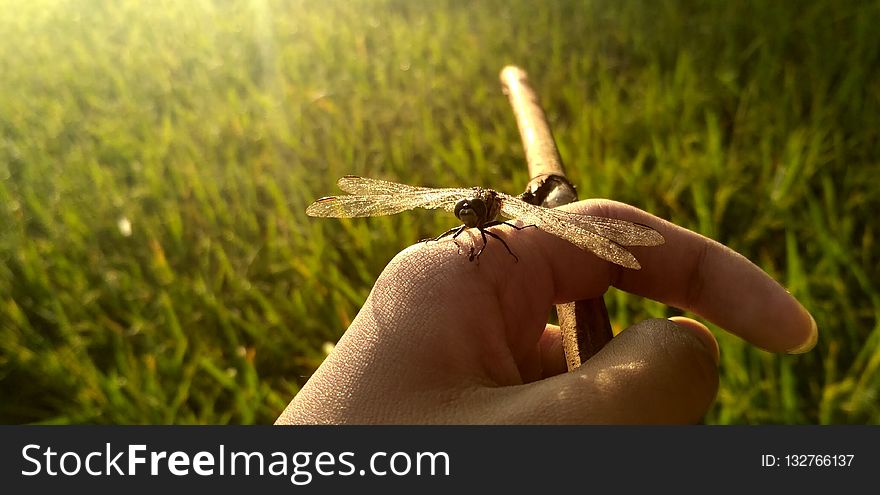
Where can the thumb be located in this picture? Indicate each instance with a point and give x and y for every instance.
(657, 371)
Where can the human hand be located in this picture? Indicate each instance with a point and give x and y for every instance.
(442, 340)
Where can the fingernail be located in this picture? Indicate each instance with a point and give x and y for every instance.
(706, 334)
(811, 341)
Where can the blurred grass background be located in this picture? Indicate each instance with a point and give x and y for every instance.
(156, 265)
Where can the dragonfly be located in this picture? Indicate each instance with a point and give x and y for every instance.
(479, 208)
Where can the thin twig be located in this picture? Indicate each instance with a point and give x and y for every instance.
(585, 325)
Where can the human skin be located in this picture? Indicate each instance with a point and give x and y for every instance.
(444, 340)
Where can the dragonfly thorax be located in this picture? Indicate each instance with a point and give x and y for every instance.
(475, 211)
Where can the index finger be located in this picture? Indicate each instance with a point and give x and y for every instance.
(695, 273)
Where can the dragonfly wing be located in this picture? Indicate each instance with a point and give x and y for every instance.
(353, 184)
(558, 223)
(620, 231)
(384, 204)
(355, 206)
(602, 247)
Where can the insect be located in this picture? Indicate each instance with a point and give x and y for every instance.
(479, 207)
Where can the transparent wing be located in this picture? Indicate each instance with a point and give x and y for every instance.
(353, 184)
(384, 198)
(600, 235)
(620, 231)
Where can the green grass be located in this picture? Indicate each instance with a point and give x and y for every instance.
(209, 126)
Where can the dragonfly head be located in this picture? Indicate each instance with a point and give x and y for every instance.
(471, 211)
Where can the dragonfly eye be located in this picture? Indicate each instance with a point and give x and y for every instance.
(471, 211)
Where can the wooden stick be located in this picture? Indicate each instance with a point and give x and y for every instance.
(585, 324)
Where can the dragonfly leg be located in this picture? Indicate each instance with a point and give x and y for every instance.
(456, 230)
(459, 231)
(517, 227)
(476, 255)
(484, 233)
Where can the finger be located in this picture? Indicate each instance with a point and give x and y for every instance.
(546, 359)
(653, 372)
(552, 352)
(694, 273)
(701, 331)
